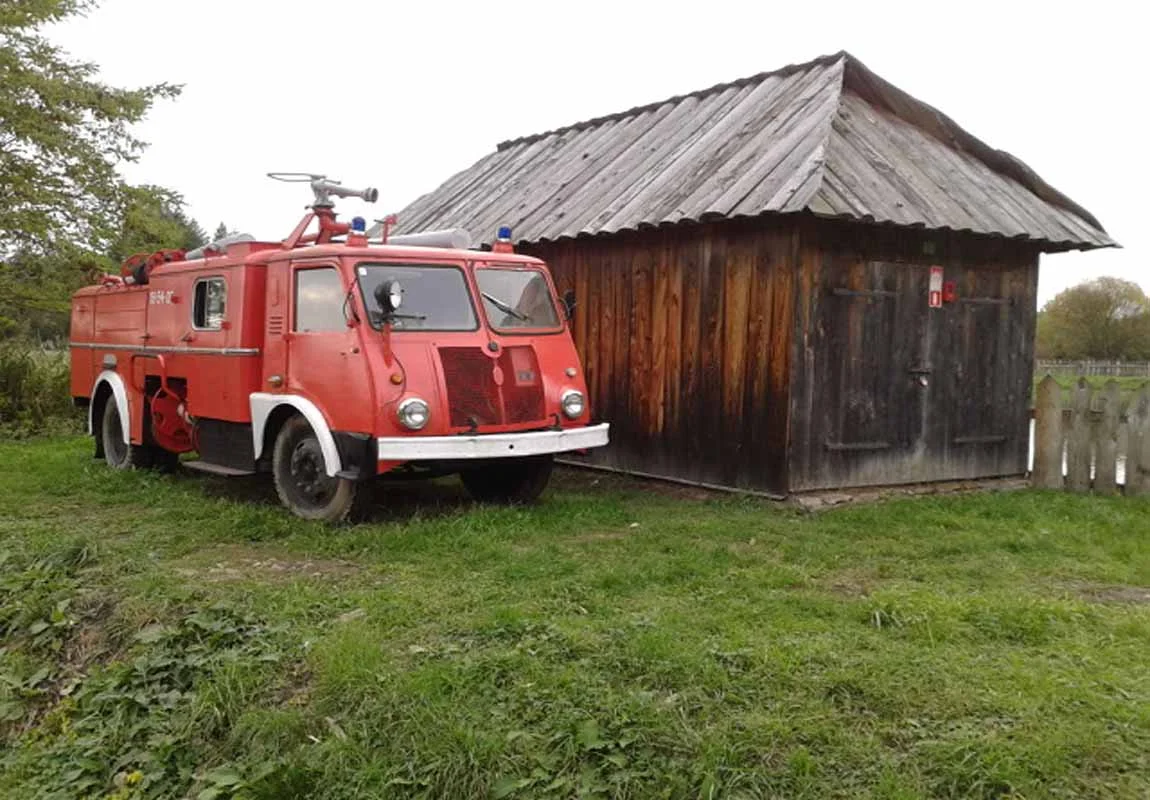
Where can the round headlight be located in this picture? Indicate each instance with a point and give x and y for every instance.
(389, 296)
(414, 413)
(573, 403)
(395, 294)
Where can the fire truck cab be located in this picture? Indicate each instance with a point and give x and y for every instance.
(328, 360)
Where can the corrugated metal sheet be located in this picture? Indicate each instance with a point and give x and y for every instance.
(828, 137)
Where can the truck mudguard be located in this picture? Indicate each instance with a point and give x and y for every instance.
(119, 395)
(264, 404)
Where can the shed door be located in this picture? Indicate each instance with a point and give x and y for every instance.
(905, 393)
(872, 352)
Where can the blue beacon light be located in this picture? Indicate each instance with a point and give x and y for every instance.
(504, 234)
(358, 224)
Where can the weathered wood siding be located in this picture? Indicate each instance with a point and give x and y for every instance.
(685, 336)
(888, 390)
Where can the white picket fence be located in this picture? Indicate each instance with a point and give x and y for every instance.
(1106, 369)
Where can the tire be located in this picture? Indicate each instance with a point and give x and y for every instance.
(301, 482)
(515, 481)
(164, 460)
(117, 453)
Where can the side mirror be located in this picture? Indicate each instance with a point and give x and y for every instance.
(389, 296)
(569, 303)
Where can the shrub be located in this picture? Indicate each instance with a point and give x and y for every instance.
(34, 390)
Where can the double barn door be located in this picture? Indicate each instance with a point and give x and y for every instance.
(905, 392)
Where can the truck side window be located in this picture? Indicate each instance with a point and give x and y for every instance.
(210, 303)
(319, 298)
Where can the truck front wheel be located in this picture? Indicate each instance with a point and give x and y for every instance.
(517, 481)
(119, 454)
(303, 484)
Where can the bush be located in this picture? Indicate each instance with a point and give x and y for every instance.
(35, 395)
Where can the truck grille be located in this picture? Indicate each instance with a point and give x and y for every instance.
(475, 399)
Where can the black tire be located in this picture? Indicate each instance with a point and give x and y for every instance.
(117, 453)
(301, 482)
(164, 460)
(516, 481)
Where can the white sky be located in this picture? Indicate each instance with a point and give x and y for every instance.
(402, 95)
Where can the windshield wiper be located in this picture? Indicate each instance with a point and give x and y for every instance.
(378, 317)
(505, 308)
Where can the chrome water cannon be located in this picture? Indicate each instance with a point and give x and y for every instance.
(325, 188)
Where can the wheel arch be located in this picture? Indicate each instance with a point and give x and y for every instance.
(270, 411)
(109, 384)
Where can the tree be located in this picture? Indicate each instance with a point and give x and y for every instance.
(1106, 318)
(221, 232)
(62, 135)
(35, 286)
(154, 219)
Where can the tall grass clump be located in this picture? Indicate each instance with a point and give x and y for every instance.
(34, 390)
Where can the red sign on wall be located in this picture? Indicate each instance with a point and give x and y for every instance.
(936, 287)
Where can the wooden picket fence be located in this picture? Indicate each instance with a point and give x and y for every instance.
(1083, 445)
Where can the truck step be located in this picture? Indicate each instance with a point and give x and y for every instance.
(216, 469)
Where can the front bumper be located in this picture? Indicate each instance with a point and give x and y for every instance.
(492, 445)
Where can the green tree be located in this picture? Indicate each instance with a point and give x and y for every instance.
(1105, 318)
(221, 232)
(35, 286)
(154, 219)
(62, 135)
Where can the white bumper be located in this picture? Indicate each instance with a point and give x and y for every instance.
(492, 445)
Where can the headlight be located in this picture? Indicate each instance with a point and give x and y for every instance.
(414, 413)
(573, 403)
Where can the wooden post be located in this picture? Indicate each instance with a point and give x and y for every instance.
(1106, 466)
(1048, 435)
(1078, 442)
(1138, 459)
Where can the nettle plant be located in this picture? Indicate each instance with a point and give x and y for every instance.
(140, 725)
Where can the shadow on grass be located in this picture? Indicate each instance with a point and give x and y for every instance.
(391, 501)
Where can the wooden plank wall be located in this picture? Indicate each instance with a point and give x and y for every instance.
(684, 335)
(970, 419)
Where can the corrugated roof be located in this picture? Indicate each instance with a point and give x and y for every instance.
(828, 137)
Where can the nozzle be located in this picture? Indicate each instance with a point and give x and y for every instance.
(324, 190)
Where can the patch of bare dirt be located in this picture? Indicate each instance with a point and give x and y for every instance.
(236, 562)
(851, 583)
(1113, 593)
(821, 501)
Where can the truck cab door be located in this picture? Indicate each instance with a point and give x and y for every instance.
(325, 362)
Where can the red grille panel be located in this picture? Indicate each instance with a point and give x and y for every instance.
(522, 385)
(474, 398)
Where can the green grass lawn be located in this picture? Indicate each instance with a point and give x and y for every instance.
(181, 636)
(1127, 387)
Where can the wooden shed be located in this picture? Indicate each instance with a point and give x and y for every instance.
(753, 267)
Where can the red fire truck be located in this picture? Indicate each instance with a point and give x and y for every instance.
(329, 359)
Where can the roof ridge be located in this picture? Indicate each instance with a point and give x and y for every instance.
(718, 87)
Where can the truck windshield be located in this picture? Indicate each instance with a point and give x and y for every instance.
(435, 298)
(516, 298)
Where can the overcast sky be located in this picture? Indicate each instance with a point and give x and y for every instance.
(402, 95)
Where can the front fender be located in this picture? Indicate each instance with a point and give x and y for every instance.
(263, 404)
(119, 396)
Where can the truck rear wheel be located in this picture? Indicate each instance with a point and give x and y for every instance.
(517, 481)
(303, 484)
(119, 454)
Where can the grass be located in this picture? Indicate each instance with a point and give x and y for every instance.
(1127, 387)
(178, 636)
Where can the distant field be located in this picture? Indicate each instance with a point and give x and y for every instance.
(183, 637)
(1126, 386)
